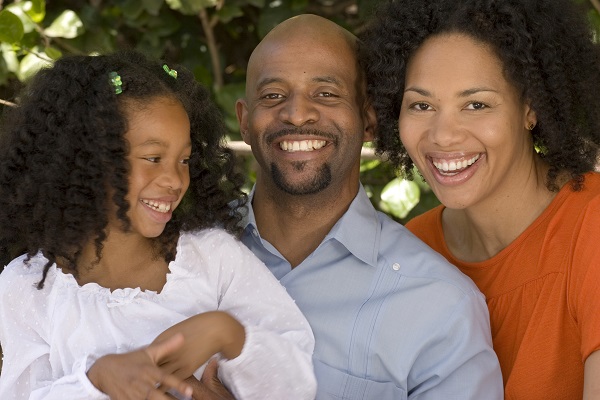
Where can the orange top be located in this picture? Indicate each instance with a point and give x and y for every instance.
(543, 293)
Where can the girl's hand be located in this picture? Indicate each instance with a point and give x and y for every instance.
(205, 334)
(136, 375)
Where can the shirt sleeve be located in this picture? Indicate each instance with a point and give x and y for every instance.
(276, 360)
(584, 279)
(458, 361)
(26, 369)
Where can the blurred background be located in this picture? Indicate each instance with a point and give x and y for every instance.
(212, 38)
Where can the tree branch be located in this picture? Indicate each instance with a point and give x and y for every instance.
(212, 49)
(7, 103)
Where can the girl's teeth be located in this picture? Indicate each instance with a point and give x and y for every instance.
(160, 207)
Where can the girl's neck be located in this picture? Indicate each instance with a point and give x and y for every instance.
(128, 261)
(478, 233)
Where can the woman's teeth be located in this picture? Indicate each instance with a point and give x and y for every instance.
(453, 166)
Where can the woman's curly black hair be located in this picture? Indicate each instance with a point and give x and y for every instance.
(548, 53)
(63, 154)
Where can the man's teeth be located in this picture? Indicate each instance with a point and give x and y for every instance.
(158, 205)
(301, 145)
(446, 166)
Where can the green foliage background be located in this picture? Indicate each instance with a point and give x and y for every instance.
(213, 38)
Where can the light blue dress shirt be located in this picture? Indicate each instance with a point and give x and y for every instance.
(392, 319)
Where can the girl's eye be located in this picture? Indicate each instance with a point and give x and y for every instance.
(152, 159)
(476, 106)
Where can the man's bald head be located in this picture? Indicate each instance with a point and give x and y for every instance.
(302, 31)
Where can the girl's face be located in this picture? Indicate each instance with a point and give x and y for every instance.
(160, 147)
(463, 124)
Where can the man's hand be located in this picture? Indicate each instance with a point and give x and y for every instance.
(209, 387)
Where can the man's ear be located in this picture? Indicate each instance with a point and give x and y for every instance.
(370, 122)
(241, 111)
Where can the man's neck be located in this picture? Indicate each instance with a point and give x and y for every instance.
(296, 224)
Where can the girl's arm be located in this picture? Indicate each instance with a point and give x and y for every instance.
(276, 355)
(28, 370)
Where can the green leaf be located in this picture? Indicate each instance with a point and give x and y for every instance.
(30, 65)
(190, 7)
(11, 27)
(19, 9)
(36, 10)
(67, 25)
(399, 196)
(10, 57)
(132, 9)
(227, 13)
(53, 52)
(152, 6)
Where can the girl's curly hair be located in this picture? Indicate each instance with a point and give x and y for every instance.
(548, 53)
(63, 154)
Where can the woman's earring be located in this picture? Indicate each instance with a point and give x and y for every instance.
(531, 126)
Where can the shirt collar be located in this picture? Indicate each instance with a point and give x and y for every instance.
(358, 229)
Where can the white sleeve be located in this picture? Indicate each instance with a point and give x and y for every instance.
(276, 360)
(27, 372)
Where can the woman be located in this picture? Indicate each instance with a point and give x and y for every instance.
(496, 104)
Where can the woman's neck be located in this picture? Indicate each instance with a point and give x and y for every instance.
(477, 233)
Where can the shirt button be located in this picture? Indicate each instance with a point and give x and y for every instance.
(396, 266)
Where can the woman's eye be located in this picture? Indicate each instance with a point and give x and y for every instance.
(185, 161)
(421, 106)
(152, 159)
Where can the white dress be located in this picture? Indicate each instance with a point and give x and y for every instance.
(50, 337)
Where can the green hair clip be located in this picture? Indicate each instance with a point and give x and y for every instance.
(171, 72)
(115, 80)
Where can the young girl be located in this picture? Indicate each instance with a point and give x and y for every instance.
(115, 183)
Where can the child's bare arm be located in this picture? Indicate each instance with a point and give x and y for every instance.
(205, 335)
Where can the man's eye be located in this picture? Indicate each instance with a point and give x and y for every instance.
(326, 94)
(272, 96)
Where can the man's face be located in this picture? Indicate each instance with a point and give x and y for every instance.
(304, 114)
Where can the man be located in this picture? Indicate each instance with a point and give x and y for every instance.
(392, 319)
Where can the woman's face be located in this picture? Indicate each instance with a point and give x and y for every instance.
(159, 149)
(463, 124)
